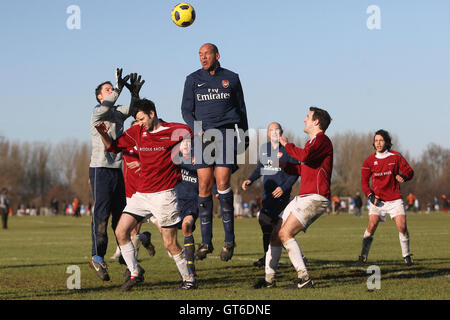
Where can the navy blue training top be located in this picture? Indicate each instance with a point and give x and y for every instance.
(216, 100)
(273, 176)
(187, 189)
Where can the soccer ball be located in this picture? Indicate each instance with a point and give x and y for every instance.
(183, 15)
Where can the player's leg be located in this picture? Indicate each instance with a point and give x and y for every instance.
(189, 246)
(374, 218)
(301, 213)
(205, 209)
(126, 224)
(169, 235)
(287, 233)
(403, 235)
(265, 223)
(226, 197)
(100, 179)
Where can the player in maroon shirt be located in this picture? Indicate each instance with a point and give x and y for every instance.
(316, 165)
(156, 142)
(131, 175)
(387, 169)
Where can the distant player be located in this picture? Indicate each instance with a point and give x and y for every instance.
(155, 195)
(213, 96)
(387, 169)
(277, 184)
(315, 168)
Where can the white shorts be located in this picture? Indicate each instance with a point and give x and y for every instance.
(162, 205)
(393, 208)
(306, 209)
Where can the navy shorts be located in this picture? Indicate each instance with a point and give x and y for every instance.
(188, 207)
(272, 207)
(217, 147)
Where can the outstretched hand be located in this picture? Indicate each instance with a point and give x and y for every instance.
(120, 82)
(135, 84)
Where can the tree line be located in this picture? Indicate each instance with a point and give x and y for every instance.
(37, 172)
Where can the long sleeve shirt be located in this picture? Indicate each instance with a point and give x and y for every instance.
(273, 176)
(382, 168)
(114, 117)
(316, 165)
(216, 100)
(155, 148)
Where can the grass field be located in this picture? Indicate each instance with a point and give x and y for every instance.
(35, 253)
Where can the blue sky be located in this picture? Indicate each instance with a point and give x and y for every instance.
(289, 55)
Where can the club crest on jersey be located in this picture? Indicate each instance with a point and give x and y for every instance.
(144, 134)
(375, 163)
(279, 155)
(225, 83)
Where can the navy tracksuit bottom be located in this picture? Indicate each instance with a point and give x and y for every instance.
(108, 190)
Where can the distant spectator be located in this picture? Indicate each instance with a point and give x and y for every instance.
(343, 206)
(335, 204)
(410, 198)
(358, 204)
(76, 207)
(416, 205)
(54, 206)
(436, 204)
(445, 203)
(4, 207)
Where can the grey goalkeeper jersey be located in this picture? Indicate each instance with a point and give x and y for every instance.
(114, 117)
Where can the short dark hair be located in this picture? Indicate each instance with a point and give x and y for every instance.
(386, 136)
(145, 106)
(98, 90)
(323, 117)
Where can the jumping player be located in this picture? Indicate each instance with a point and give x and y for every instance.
(387, 169)
(214, 98)
(105, 168)
(277, 184)
(155, 195)
(315, 168)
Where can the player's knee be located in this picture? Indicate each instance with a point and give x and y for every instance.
(284, 235)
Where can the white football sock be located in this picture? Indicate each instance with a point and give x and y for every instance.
(181, 263)
(136, 243)
(404, 243)
(295, 255)
(273, 255)
(366, 243)
(129, 255)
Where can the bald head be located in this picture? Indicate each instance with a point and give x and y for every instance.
(209, 57)
(274, 131)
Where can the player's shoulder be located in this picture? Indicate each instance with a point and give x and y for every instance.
(195, 75)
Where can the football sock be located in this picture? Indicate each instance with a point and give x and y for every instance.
(227, 211)
(205, 209)
(136, 243)
(189, 250)
(267, 232)
(366, 243)
(181, 263)
(273, 256)
(129, 255)
(295, 255)
(404, 243)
